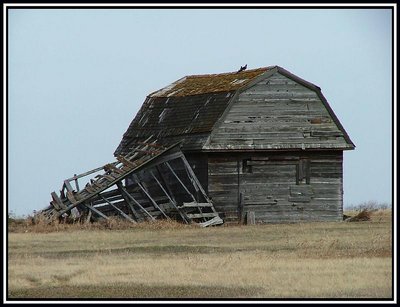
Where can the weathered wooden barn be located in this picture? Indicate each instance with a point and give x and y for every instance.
(264, 143)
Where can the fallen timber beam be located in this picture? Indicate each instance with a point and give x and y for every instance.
(71, 197)
(133, 152)
(125, 161)
(201, 215)
(194, 178)
(111, 167)
(149, 196)
(68, 186)
(94, 192)
(76, 183)
(183, 185)
(171, 199)
(85, 174)
(214, 221)
(57, 201)
(180, 181)
(135, 201)
(195, 205)
(150, 206)
(89, 216)
(127, 199)
(119, 210)
(96, 211)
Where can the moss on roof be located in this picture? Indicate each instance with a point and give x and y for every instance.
(202, 84)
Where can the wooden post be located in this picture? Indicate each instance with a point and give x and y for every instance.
(251, 218)
(170, 199)
(149, 196)
(165, 181)
(241, 211)
(127, 199)
(118, 209)
(57, 201)
(96, 211)
(136, 202)
(183, 185)
(197, 182)
(68, 186)
(76, 183)
(89, 216)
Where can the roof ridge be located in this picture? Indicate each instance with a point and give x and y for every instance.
(230, 73)
(210, 83)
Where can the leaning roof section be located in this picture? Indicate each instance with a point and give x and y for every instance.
(211, 83)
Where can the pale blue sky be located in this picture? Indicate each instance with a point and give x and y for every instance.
(76, 79)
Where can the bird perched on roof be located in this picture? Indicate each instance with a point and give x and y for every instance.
(242, 68)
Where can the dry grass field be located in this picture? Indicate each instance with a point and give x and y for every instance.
(170, 260)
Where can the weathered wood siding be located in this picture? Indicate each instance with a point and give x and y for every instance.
(277, 187)
(277, 113)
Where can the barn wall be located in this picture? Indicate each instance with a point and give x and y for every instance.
(280, 187)
(277, 113)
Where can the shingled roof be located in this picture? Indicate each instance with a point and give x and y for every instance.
(206, 84)
(189, 109)
(185, 110)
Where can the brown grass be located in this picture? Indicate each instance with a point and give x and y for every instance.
(305, 260)
(30, 225)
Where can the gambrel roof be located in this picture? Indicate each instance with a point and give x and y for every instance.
(195, 109)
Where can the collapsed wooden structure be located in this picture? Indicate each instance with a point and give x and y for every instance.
(263, 144)
(150, 182)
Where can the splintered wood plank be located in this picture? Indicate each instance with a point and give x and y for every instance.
(68, 186)
(71, 197)
(195, 205)
(172, 201)
(76, 183)
(127, 199)
(126, 162)
(113, 168)
(85, 174)
(149, 196)
(251, 218)
(201, 215)
(57, 201)
(55, 205)
(110, 178)
(118, 209)
(126, 193)
(180, 181)
(214, 221)
(96, 211)
(133, 152)
(89, 216)
(197, 182)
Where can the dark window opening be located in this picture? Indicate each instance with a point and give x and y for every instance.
(246, 167)
(303, 172)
